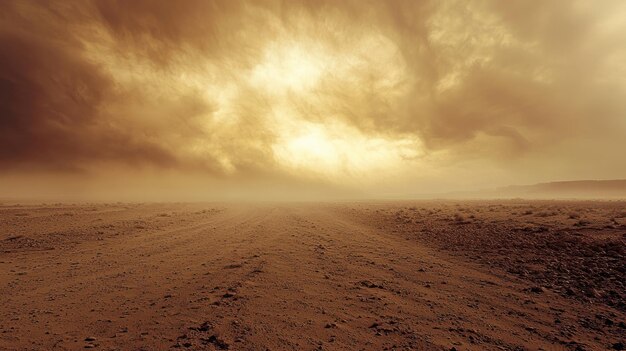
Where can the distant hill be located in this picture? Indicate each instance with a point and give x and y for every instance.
(586, 189)
(577, 189)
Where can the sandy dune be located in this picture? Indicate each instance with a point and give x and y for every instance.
(359, 276)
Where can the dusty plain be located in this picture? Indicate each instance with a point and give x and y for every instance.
(419, 275)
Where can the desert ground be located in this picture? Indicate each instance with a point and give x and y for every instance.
(418, 275)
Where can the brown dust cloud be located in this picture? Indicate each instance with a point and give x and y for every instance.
(209, 100)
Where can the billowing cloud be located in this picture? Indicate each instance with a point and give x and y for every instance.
(342, 93)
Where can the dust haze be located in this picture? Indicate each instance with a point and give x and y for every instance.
(437, 175)
(296, 99)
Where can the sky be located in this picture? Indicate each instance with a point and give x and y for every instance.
(208, 100)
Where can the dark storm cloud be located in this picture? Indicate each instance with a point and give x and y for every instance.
(50, 97)
(175, 84)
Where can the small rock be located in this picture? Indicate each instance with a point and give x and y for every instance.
(570, 292)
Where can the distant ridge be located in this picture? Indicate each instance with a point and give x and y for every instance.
(613, 189)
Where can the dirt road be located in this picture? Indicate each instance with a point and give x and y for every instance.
(258, 277)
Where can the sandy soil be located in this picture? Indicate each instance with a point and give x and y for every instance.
(351, 276)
